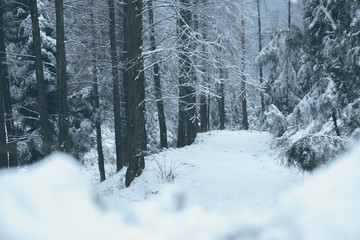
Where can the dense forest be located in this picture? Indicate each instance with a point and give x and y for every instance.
(158, 72)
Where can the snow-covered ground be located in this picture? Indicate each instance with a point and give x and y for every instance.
(226, 186)
(223, 171)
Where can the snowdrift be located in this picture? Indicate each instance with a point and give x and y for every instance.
(52, 200)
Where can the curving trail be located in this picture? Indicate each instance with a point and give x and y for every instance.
(230, 171)
(224, 171)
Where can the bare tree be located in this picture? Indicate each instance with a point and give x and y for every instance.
(157, 82)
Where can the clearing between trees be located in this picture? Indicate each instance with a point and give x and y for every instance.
(224, 171)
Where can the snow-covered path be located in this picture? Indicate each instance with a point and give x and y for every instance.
(223, 171)
(229, 171)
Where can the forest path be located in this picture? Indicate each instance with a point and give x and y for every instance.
(229, 171)
(223, 171)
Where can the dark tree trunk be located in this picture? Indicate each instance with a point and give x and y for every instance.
(289, 13)
(221, 100)
(191, 96)
(122, 84)
(96, 102)
(3, 148)
(61, 78)
(181, 138)
(333, 116)
(9, 121)
(243, 80)
(134, 83)
(191, 124)
(116, 91)
(157, 82)
(41, 87)
(203, 113)
(187, 124)
(203, 95)
(261, 77)
(287, 70)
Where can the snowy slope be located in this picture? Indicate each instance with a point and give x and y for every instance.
(223, 171)
(53, 200)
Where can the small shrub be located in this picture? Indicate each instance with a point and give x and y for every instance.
(165, 172)
(310, 152)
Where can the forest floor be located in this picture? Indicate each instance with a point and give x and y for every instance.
(224, 171)
(228, 185)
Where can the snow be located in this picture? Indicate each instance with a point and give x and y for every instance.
(225, 186)
(223, 171)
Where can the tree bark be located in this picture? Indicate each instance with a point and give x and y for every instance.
(61, 78)
(203, 95)
(3, 148)
(134, 84)
(9, 121)
(333, 116)
(243, 77)
(203, 113)
(116, 91)
(187, 124)
(157, 82)
(261, 77)
(96, 102)
(221, 100)
(192, 120)
(41, 87)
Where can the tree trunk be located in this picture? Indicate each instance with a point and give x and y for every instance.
(191, 96)
(157, 82)
(287, 70)
(61, 78)
(289, 14)
(134, 83)
(203, 113)
(96, 102)
(333, 116)
(204, 121)
(4, 78)
(116, 93)
(41, 87)
(3, 148)
(261, 78)
(187, 124)
(221, 101)
(243, 80)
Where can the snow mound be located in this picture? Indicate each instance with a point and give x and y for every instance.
(52, 200)
(326, 206)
